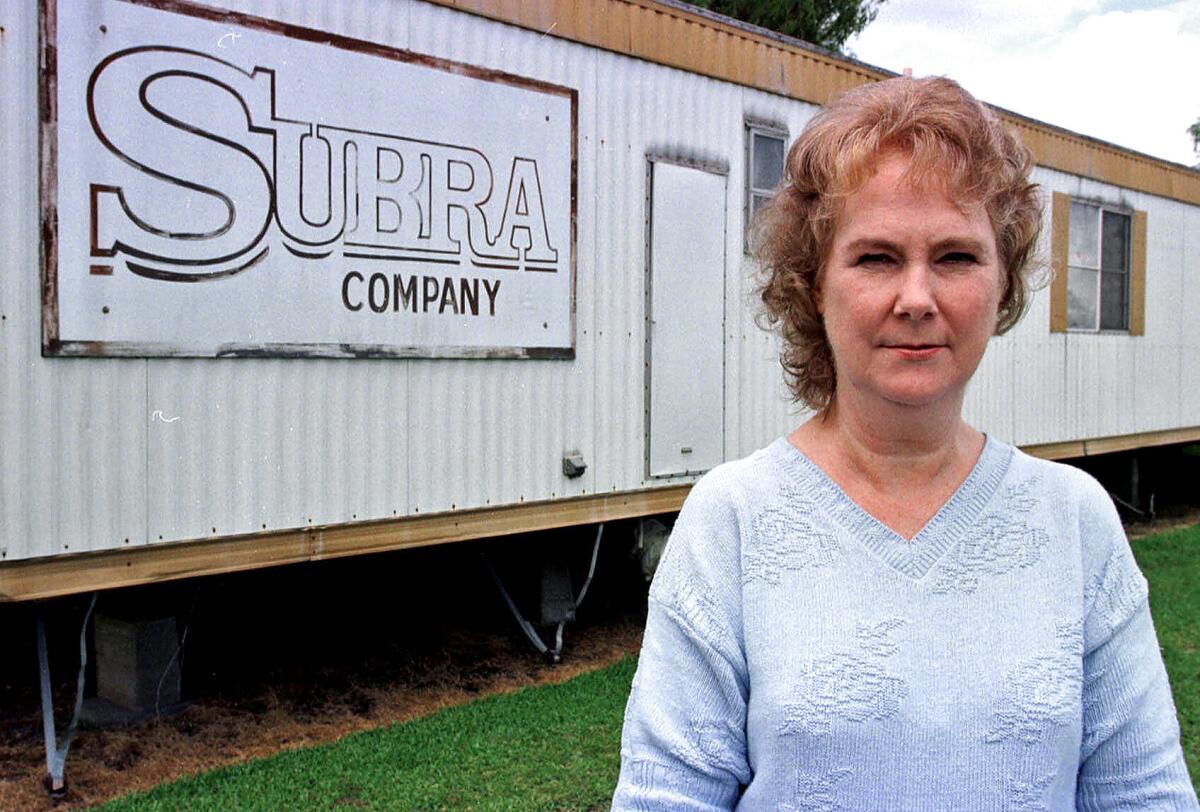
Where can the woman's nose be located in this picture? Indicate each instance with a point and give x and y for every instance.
(915, 299)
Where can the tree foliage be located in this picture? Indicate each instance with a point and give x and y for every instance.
(828, 23)
(1194, 132)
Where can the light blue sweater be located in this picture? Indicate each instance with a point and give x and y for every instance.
(801, 656)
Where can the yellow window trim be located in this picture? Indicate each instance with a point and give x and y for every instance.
(1060, 241)
(1137, 275)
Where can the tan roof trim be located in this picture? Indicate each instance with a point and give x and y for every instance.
(701, 43)
(686, 39)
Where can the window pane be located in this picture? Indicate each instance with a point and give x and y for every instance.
(768, 161)
(1085, 227)
(1115, 249)
(757, 202)
(1113, 307)
(1081, 298)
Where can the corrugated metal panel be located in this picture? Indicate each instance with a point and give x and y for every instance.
(278, 444)
(1157, 357)
(988, 404)
(1038, 389)
(758, 405)
(250, 445)
(247, 445)
(97, 451)
(1037, 394)
(1189, 306)
(618, 205)
(383, 21)
(643, 110)
(1102, 385)
(1111, 384)
(518, 418)
(73, 450)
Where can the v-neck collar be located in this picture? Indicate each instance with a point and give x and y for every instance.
(912, 558)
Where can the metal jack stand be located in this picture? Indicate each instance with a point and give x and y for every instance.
(554, 655)
(1135, 494)
(56, 754)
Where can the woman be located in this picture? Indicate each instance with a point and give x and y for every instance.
(888, 609)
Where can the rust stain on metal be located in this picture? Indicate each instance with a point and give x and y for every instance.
(48, 172)
(574, 213)
(684, 155)
(121, 349)
(550, 353)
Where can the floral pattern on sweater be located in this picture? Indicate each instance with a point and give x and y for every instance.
(1042, 692)
(851, 685)
(786, 539)
(1004, 542)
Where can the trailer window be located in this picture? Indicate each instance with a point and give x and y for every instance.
(1098, 253)
(764, 167)
(1098, 270)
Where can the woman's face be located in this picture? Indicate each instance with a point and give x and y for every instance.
(909, 292)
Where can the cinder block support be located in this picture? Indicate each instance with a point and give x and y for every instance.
(137, 668)
(557, 604)
(557, 598)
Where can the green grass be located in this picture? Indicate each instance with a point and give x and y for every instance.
(1171, 563)
(555, 747)
(550, 747)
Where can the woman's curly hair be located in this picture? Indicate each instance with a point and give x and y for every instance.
(952, 140)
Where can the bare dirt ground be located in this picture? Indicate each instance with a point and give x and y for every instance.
(1173, 517)
(311, 653)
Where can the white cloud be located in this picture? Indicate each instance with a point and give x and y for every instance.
(1128, 76)
(989, 19)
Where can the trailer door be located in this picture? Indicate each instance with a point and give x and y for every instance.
(685, 312)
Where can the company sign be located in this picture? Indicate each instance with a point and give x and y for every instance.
(226, 185)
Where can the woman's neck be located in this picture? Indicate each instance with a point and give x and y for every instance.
(891, 448)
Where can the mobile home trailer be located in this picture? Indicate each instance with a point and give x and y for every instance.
(284, 282)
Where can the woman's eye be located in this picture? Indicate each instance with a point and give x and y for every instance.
(959, 258)
(873, 259)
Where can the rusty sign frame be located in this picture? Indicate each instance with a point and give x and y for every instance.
(54, 346)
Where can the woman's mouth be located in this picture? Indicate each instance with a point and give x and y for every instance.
(916, 352)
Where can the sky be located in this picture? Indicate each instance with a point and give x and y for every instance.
(1125, 71)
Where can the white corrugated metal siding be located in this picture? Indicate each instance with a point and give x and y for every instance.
(1189, 328)
(1037, 387)
(495, 432)
(758, 406)
(72, 435)
(98, 453)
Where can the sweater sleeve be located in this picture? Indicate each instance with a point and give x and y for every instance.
(1130, 756)
(683, 744)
